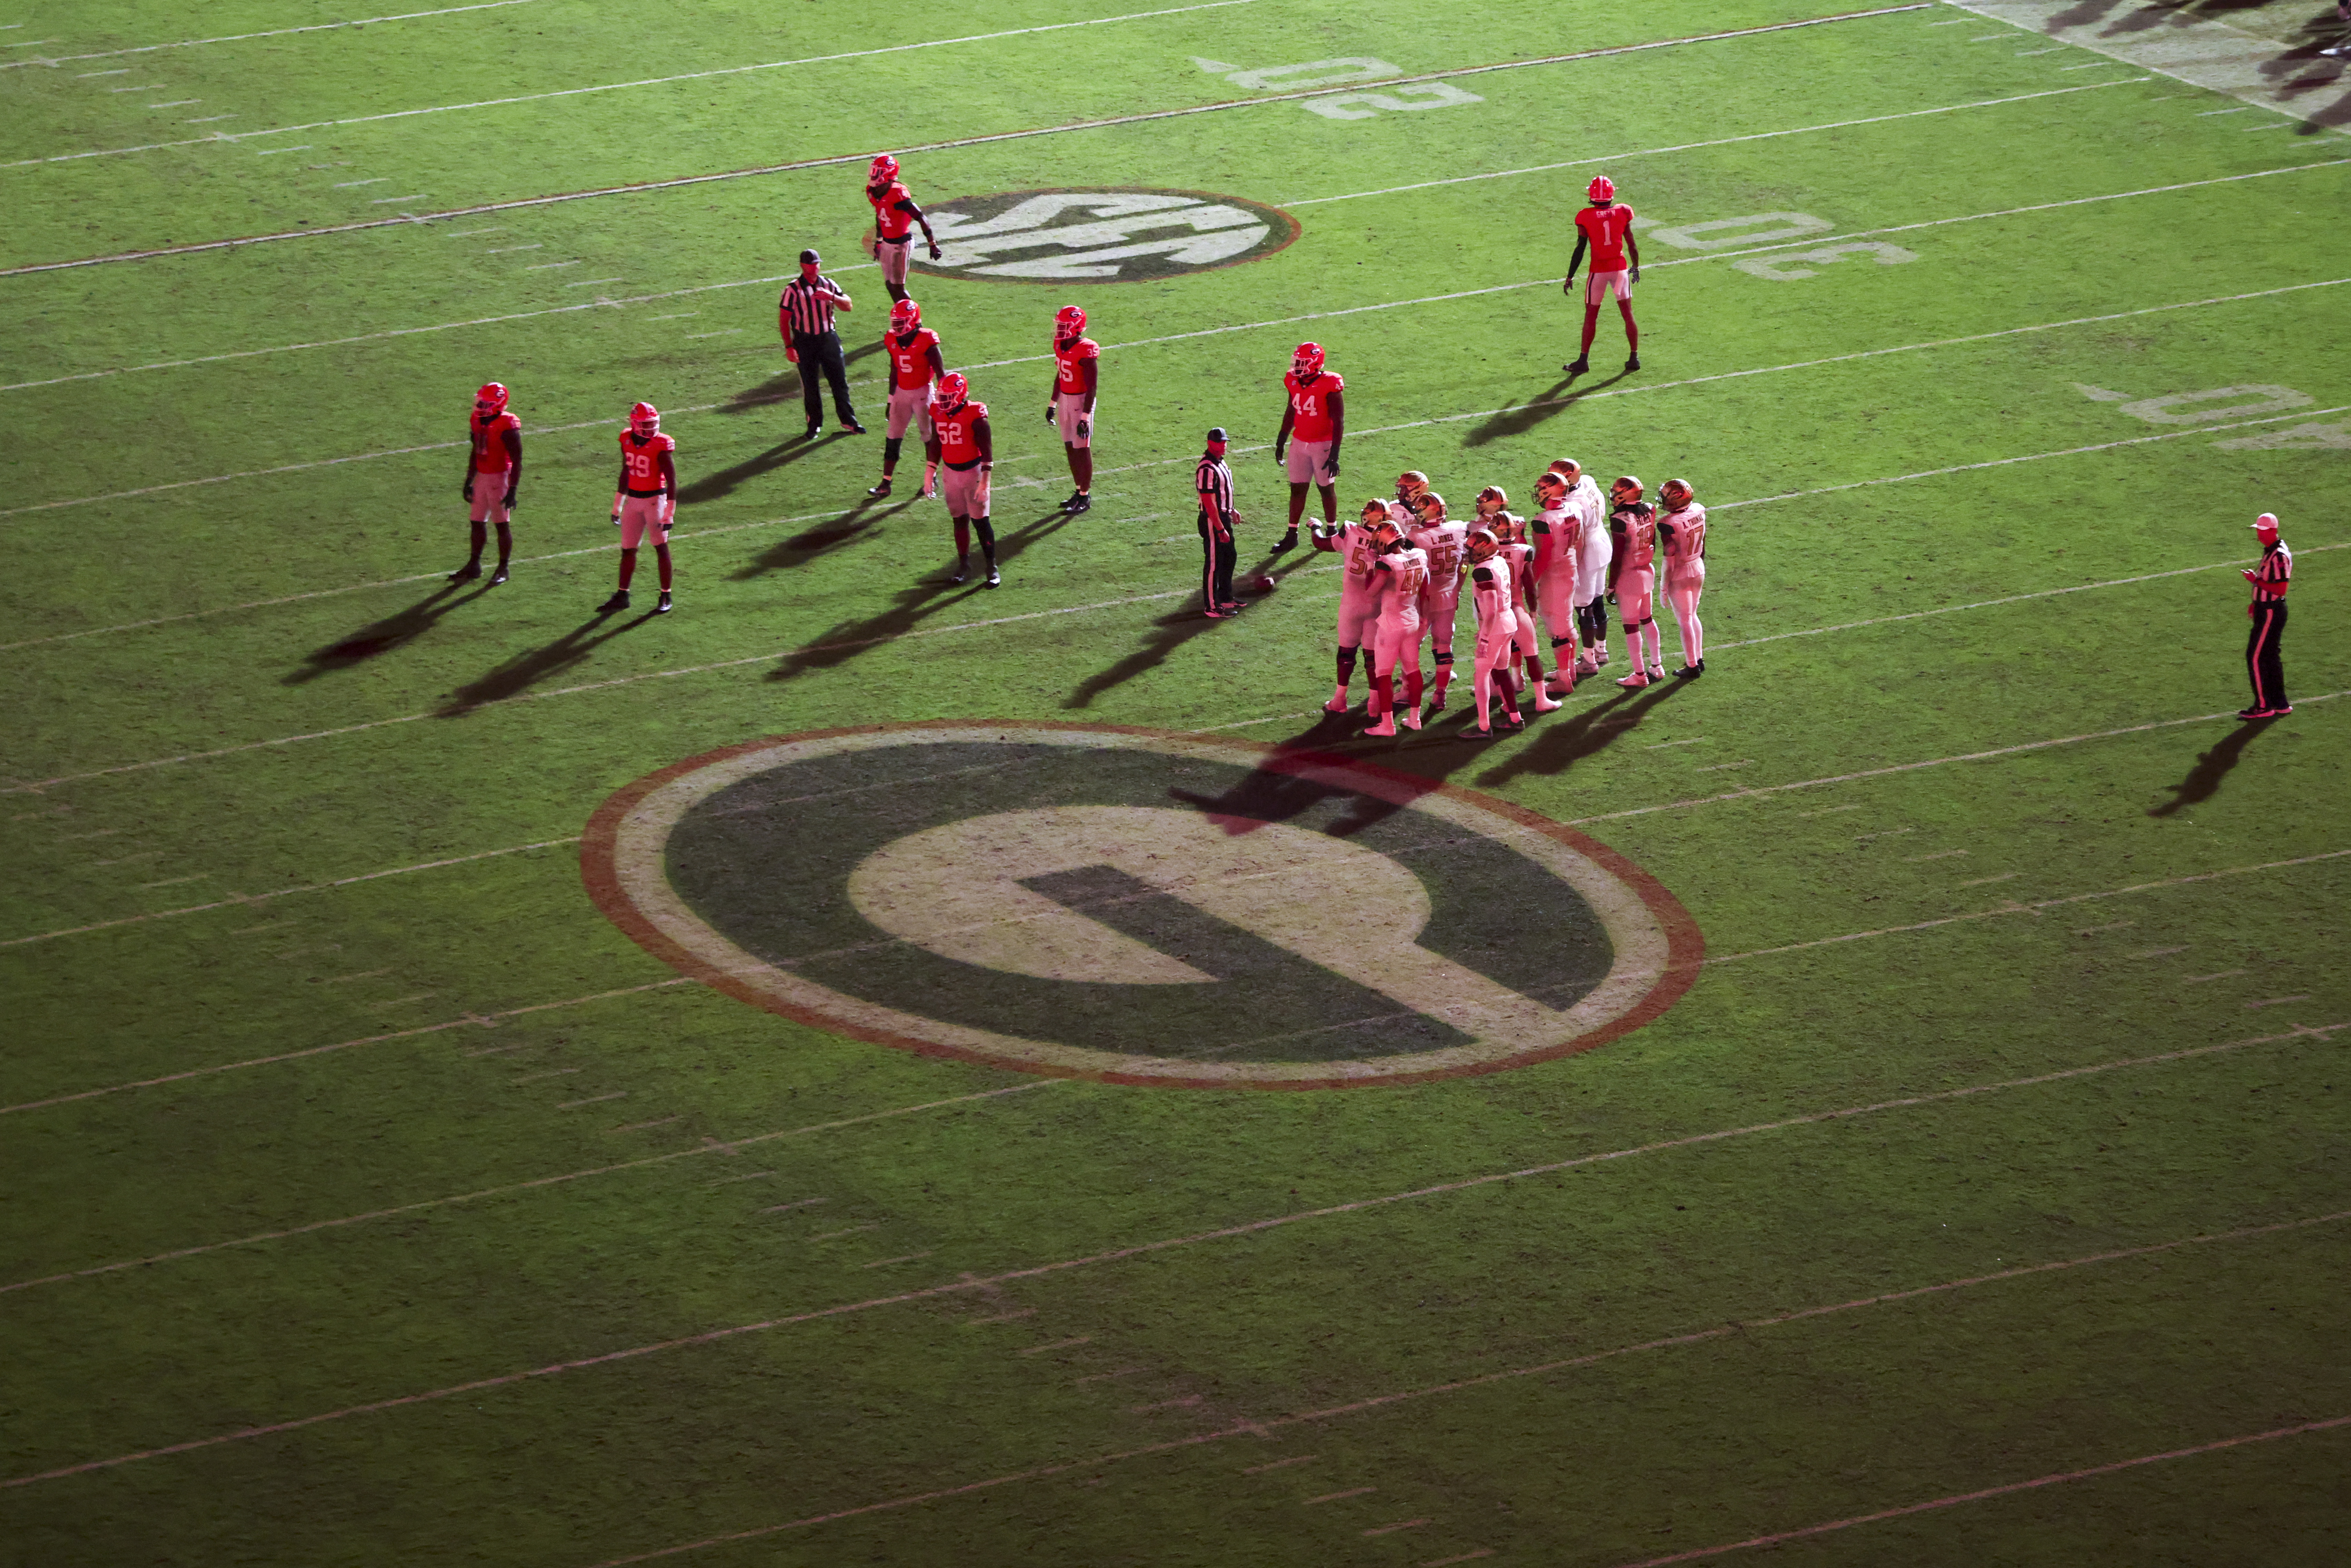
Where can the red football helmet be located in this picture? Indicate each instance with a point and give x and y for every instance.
(644, 419)
(954, 392)
(905, 315)
(493, 396)
(884, 170)
(1068, 321)
(1306, 360)
(1602, 189)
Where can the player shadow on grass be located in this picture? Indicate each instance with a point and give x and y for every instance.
(2296, 71)
(785, 388)
(1556, 747)
(381, 637)
(523, 670)
(1283, 787)
(724, 483)
(1548, 404)
(2203, 781)
(854, 523)
(916, 603)
(1167, 633)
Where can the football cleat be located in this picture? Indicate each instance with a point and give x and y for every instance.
(1409, 718)
(644, 419)
(880, 490)
(619, 601)
(1578, 366)
(882, 171)
(905, 315)
(497, 577)
(1068, 321)
(995, 578)
(1306, 360)
(852, 427)
(1079, 501)
(664, 607)
(467, 572)
(1634, 681)
(1543, 703)
(492, 398)
(961, 573)
(1338, 704)
(1690, 672)
(955, 391)
(1385, 727)
(1602, 189)
(1632, 361)
(1289, 541)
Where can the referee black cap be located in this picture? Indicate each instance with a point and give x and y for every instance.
(810, 257)
(1218, 434)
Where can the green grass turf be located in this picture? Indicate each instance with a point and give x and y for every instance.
(1661, 1448)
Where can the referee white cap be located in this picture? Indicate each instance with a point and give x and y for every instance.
(2267, 522)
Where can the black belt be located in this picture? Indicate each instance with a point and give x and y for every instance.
(643, 495)
(964, 467)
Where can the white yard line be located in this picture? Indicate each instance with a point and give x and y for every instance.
(238, 901)
(860, 157)
(469, 1021)
(1763, 790)
(1030, 615)
(1694, 146)
(274, 32)
(1807, 242)
(647, 81)
(2009, 1489)
(1257, 1430)
(971, 1282)
(421, 1205)
(1374, 430)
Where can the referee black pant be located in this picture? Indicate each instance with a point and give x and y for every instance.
(822, 351)
(2263, 662)
(1216, 556)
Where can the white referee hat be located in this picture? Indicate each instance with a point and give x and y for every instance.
(2266, 521)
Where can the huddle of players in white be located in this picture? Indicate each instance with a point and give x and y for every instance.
(1408, 563)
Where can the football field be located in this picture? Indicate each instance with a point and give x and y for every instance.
(872, 1068)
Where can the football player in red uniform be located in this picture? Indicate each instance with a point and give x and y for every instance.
(914, 365)
(1313, 424)
(1077, 372)
(968, 449)
(645, 502)
(493, 475)
(894, 216)
(1607, 227)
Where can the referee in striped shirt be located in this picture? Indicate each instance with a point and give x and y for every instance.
(804, 321)
(1214, 481)
(2264, 662)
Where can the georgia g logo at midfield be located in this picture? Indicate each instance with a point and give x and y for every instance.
(1123, 235)
(1137, 908)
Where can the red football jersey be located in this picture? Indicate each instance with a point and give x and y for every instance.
(1311, 401)
(1067, 378)
(910, 357)
(1605, 227)
(490, 453)
(956, 442)
(642, 456)
(895, 224)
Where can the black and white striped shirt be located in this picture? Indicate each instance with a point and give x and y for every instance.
(809, 306)
(2275, 571)
(1214, 481)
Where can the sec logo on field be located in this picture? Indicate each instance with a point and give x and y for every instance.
(1137, 908)
(1123, 235)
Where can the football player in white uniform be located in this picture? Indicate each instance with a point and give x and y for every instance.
(1401, 568)
(1493, 511)
(1492, 598)
(1359, 599)
(1681, 527)
(1446, 542)
(1558, 533)
(1593, 550)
